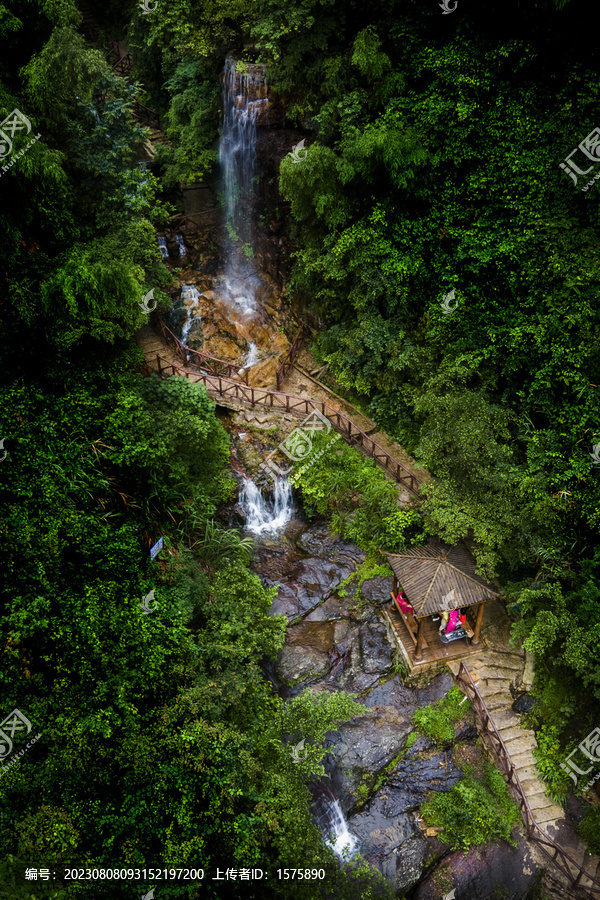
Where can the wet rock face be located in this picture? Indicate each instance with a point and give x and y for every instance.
(363, 747)
(340, 643)
(496, 872)
(523, 704)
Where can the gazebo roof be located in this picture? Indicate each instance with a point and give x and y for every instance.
(437, 577)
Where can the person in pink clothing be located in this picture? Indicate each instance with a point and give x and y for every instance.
(403, 604)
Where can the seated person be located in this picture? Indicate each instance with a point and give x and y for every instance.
(452, 623)
(403, 604)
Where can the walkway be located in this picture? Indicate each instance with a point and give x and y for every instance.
(494, 673)
(234, 393)
(299, 382)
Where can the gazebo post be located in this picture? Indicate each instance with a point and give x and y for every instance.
(395, 585)
(478, 621)
(420, 633)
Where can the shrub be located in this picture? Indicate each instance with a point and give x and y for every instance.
(474, 812)
(589, 830)
(549, 754)
(437, 720)
(362, 504)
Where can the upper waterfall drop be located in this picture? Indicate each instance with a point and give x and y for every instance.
(244, 102)
(244, 99)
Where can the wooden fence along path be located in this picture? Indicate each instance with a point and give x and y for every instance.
(578, 879)
(224, 381)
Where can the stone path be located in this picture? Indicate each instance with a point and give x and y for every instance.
(152, 343)
(494, 672)
(299, 382)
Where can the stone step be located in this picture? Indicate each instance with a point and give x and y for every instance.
(517, 739)
(510, 732)
(549, 814)
(497, 700)
(502, 660)
(523, 759)
(505, 718)
(506, 660)
(490, 689)
(530, 785)
(539, 800)
(590, 880)
(590, 864)
(496, 673)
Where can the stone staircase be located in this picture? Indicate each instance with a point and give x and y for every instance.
(494, 672)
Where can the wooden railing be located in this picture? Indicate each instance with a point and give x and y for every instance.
(234, 390)
(568, 866)
(145, 116)
(291, 355)
(123, 65)
(210, 365)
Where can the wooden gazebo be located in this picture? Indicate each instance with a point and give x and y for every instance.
(436, 578)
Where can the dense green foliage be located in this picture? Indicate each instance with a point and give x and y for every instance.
(433, 152)
(161, 741)
(437, 720)
(337, 481)
(474, 811)
(434, 145)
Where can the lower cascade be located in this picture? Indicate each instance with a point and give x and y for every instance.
(264, 516)
(188, 293)
(181, 245)
(334, 828)
(252, 357)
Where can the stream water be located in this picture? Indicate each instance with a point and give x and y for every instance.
(267, 516)
(330, 818)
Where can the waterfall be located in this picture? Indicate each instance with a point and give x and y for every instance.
(334, 828)
(162, 245)
(244, 97)
(181, 245)
(263, 515)
(188, 292)
(252, 357)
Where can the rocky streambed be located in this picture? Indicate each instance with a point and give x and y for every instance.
(337, 640)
